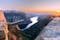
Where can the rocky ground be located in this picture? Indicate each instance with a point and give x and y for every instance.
(51, 31)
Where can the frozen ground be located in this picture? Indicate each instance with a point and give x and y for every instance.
(51, 31)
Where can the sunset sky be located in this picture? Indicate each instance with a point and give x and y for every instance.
(30, 5)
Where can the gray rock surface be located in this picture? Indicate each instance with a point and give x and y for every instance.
(51, 31)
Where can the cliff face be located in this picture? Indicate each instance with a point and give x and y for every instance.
(52, 30)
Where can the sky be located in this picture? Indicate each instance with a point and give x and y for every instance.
(34, 5)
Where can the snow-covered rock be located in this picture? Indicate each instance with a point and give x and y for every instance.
(51, 31)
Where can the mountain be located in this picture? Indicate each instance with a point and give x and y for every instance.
(32, 32)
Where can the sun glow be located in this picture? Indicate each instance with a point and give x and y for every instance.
(57, 13)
